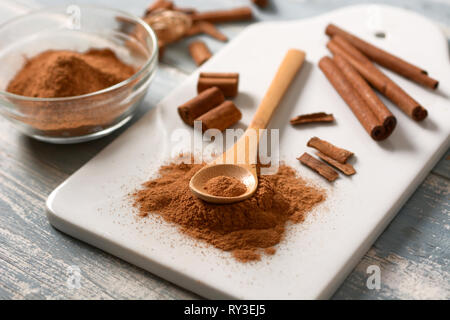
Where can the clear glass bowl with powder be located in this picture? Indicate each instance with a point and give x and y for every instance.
(76, 28)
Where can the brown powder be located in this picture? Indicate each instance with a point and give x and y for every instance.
(270, 251)
(62, 73)
(223, 186)
(245, 228)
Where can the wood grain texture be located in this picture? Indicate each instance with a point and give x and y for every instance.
(413, 252)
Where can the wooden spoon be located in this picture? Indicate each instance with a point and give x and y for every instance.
(246, 148)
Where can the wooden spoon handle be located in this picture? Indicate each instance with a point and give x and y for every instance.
(291, 63)
(245, 150)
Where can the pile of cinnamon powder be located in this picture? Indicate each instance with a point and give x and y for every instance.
(246, 228)
(63, 73)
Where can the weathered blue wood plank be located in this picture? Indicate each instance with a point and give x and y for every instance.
(413, 253)
(443, 166)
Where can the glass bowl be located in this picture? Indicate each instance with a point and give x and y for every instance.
(77, 28)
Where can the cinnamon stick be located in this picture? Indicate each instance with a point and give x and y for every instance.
(381, 112)
(312, 117)
(188, 11)
(212, 31)
(376, 78)
(206, 28)
(227, 82)
(321, 168)
(261, 3)
(201, 104)
(384, 58)
(346, 168)
(199, 52)
(353, 99)
(195, 29)
(219, 16)
(336, 153)
(221, 117)
(234, 75)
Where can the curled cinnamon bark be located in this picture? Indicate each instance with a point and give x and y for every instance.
(384, 58)
(201, 104)
(387, 87)
(321, 168)
(381, 112)
(356, 103)
(312, 117)
(346, 168)
(329, 149)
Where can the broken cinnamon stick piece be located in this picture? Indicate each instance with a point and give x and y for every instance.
(221, 117)
(219, 16)
(384, 58)
(378, 108)
(228, 83)
(201, 104)
(387, 87)
(312, 117)
(321, 168)
(336, 153)
(353, 99)
(199, 52)
(346, 168)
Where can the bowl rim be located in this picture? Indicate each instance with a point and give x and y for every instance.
(136, 75)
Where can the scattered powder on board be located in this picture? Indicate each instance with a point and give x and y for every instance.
(247, 228)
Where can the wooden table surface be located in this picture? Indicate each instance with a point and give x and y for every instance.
(36, 261)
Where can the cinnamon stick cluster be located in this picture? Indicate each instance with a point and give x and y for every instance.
(329, 153)
(352, 74)
(209, 106)
(193, 23)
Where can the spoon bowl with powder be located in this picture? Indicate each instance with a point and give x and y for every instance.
(233, 176)
(226, 183)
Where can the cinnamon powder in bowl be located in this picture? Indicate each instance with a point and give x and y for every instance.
(64, 73)
(248, 228)
(74, 80)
